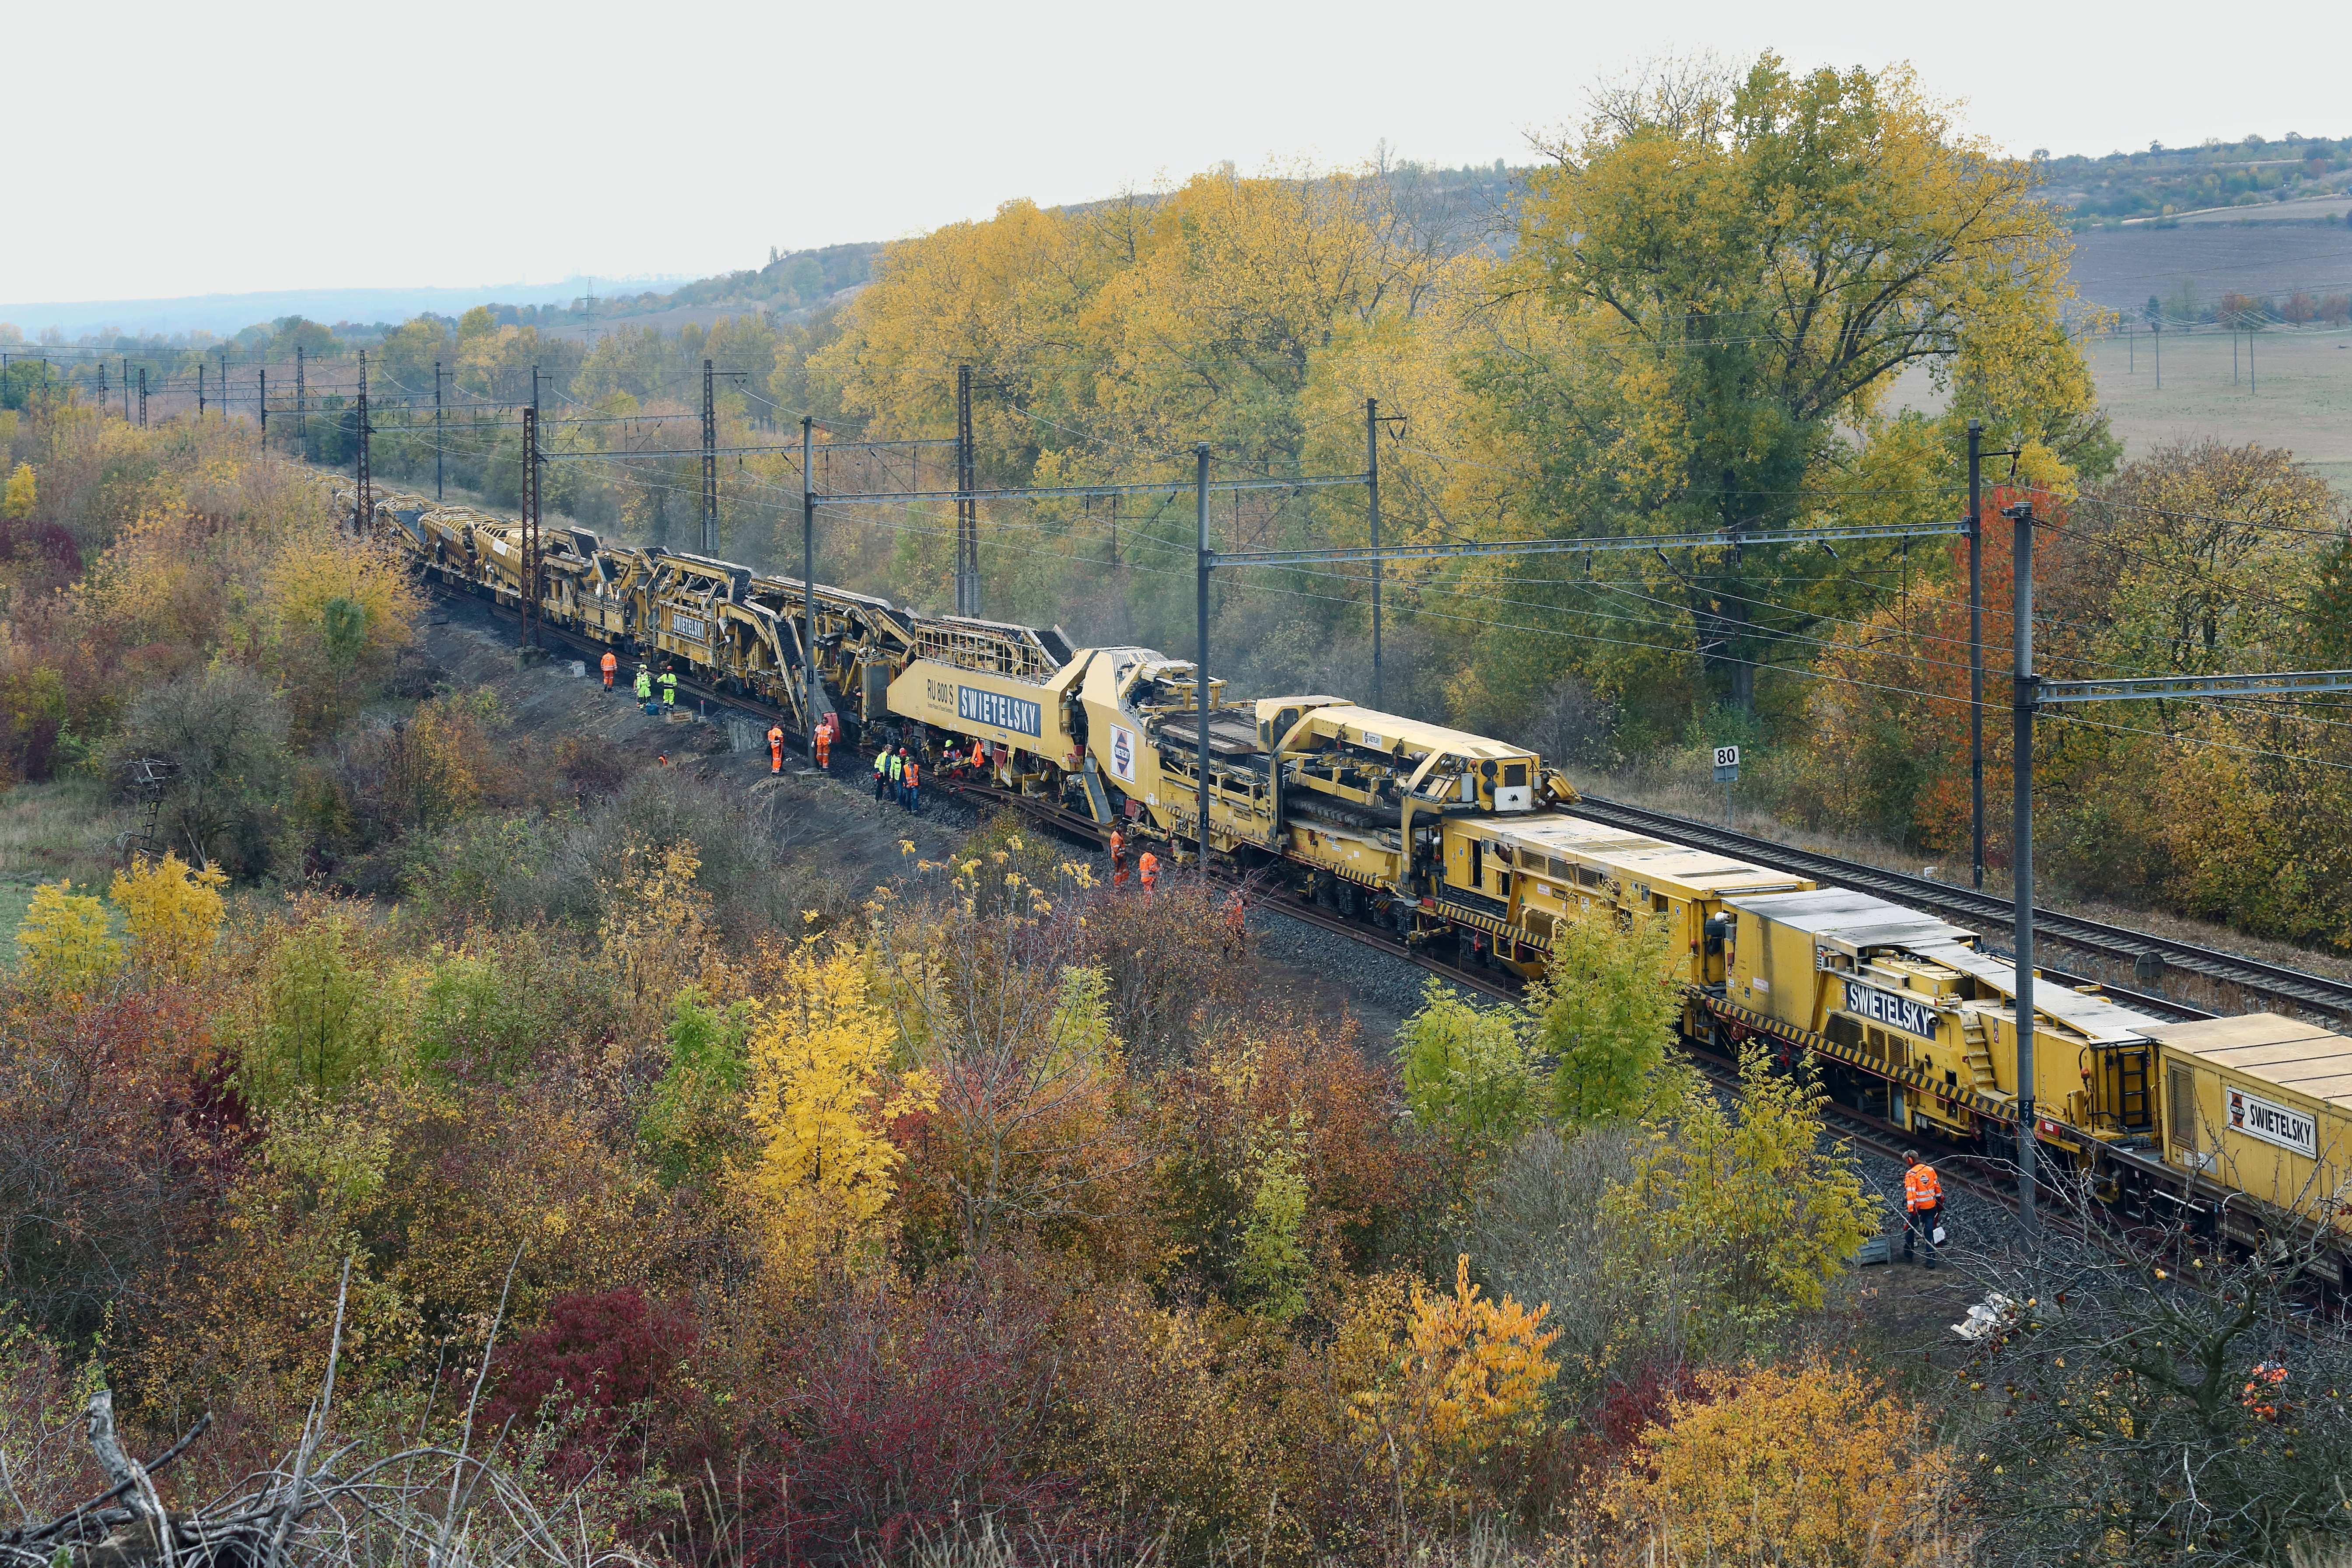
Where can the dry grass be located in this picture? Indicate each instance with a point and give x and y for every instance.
(67, 828)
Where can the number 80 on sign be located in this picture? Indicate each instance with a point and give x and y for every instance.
(1726, 763)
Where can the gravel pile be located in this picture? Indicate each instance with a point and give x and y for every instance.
(1381, 978)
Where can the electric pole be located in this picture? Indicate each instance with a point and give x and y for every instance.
(363, 510)
(437, 429)
(1201, 653)
(967, 566)
(143, 397)
(262, 397)
(200, 391)
(1372, 507)
(808, 576)
(709, 463)
(1976, 653)
(528, 605)
(2024, 701)
(302, 401)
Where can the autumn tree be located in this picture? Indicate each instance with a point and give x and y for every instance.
(64, 942)
(1770, 1214)
(1815, 1463)
(1468, 1071)
(1714, 287)
(22, 494)
(172, 912)
(1607, 1016)
(980, 974)
(823, 1100)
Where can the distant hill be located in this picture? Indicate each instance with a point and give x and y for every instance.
(2165, 182)
(223, 315)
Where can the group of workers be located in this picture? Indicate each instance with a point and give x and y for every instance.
(1149, 866)
(647, 682)
(820, 747)
(899, 775)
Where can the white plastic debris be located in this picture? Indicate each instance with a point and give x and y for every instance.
(1987, 1317)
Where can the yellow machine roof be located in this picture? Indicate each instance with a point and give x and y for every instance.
(1640, 857)
(2277, 1049)
(1417, 736)
(1849, 920)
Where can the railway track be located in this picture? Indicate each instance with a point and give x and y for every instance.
(2276, 982)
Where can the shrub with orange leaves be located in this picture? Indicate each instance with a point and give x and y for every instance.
(1817, 1464)
(1470, 1378)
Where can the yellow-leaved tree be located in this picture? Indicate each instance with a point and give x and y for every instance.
(822, 1094)
(1468, 1381)
(1812, 1464)
(64, 943)
(173, 912)
(22, 493)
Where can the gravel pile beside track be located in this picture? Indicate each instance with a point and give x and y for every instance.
(1382, 979)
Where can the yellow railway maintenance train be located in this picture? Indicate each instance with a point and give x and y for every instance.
(1442, 837)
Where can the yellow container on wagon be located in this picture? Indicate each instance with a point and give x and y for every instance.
(2259, 1103)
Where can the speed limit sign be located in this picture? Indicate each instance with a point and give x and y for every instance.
(1727, 756)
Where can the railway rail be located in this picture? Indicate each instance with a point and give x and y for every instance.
(2320, 992)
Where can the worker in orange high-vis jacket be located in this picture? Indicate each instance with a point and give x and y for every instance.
(915, 785)
(824, 744)
(611, 667)
(1237, 920)
(1118, 859)
(1150, 869)
(1923, 1205)
(775, 748)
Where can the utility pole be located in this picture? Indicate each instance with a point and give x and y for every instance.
(262, 397)
(1113, 533)
(808, 575)
(363, 509)
(2023, 701)
(967, 567)
(1373, 510)
(301, 402)
(437, 429)
(1976, 653)
(143, 397)
(126, 389)
(1200, 624)
(200, 391)
(530, 588)
(710, 464)
(223, 380)
(6, 385)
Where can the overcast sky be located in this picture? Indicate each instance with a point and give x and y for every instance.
(173, 149)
